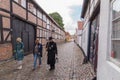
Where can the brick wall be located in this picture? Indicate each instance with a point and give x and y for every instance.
(6, 22)
(31, 18)
(5, 51)
(39, 22)
(19, 10)
(4, 13)
(44, 24)
(5, 4)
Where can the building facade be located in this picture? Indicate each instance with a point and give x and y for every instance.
(90, 13)
(103, 45)
(79, 33)
(25, 19)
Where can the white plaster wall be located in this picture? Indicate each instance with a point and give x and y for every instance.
(106, 69)
(79, 41)
(84, 43)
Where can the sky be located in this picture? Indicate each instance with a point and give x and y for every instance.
(70, 10)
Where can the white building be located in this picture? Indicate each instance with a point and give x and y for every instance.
(79, 33)
(102, 37)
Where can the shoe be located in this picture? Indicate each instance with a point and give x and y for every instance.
(33, 69)
(50, 69)
(20, 67)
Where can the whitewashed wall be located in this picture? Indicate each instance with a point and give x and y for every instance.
(84, 43)
(106, 69)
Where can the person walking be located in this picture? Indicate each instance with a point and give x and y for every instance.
(37, 53)
(19, 52)
(51, 48)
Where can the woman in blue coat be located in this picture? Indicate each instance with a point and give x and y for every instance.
(19, 52)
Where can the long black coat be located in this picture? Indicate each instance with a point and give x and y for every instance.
(52, 51)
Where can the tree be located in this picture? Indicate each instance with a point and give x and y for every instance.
(56, 16)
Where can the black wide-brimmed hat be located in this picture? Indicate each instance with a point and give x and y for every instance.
(50, 38)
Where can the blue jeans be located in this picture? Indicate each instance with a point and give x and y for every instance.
(35, 59)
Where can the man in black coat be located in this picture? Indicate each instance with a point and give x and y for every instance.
(51, 48)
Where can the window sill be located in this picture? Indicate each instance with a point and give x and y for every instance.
(114, 64)
(115, 39)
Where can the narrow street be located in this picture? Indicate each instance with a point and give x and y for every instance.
(68, 67)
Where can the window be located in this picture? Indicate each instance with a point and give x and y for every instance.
(34, 10)
(14, 0)
(44, 17)
(48, 26)
(39, 14)
(23, 3)
(115, 39)
(41, 33)
(48, 21)
(30, 6)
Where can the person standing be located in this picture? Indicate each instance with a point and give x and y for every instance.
(37, 53)
(51, 48)
(19, 52)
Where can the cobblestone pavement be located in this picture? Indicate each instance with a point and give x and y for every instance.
(68, 67)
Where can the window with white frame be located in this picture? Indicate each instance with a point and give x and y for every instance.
(39, 14)
(23, 3)
(44, 18)
(34, 10)
(30, 6)
(40, 32)
(48, 21)
(48, 24)
(115, 39)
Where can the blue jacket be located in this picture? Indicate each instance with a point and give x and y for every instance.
(39, 49)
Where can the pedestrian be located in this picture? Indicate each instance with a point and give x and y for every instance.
(37, 53)
(51, 48)
(19, 52)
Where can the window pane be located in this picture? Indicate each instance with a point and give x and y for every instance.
(34, 10)
(23, 3)
(39, 14)
(48, 26)
(116, 29)
(16, 0)
(44, 17)
(116, 49)
(116, 9)
(40, 33)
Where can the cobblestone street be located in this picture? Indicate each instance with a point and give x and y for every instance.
(68, 67)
